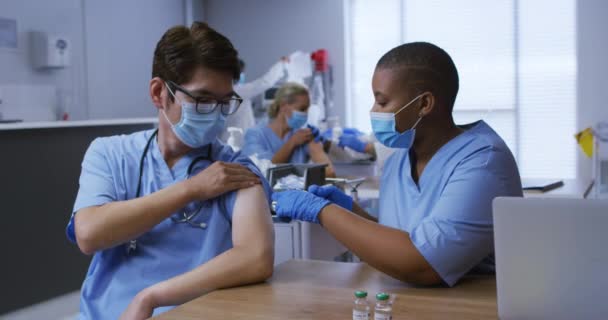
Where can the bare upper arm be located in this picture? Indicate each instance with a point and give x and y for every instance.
(251, 220)
(315, 148)
(318, 155)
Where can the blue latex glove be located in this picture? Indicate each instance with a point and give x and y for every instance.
(327, 134)
(352, 131)
(299, 205)
(316, 133)
(351, 141)
(333, 194)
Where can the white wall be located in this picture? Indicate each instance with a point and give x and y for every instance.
(120, 41)
(57, 16)
(263, 31)
(113, 43)
(592, 37)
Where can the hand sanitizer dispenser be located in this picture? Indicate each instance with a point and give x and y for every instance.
(49, 50)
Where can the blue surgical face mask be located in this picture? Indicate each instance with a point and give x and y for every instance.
(241, 78)
(384, 126)
(195, 129)
(297, 119)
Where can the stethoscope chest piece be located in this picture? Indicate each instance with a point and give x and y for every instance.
(132, 246)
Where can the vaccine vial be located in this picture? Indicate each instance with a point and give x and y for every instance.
(336, 133)
(361, 306)
(383, 309)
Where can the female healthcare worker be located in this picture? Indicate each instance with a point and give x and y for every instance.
(284, 140)
(173, 214)
(436, 190)
(243, 118)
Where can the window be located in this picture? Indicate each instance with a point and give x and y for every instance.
(516, 61)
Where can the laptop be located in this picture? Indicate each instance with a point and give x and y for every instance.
(551, 258)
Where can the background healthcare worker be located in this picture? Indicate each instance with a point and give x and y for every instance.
(173, 214)
(351, 138)
(285, 139)
(243, 118)
(436, 190)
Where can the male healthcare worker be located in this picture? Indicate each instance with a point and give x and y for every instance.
(436, 190)
(173, 214)
(286, 139)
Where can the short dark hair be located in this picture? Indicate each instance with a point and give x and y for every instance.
(426, 64)
(180, 50)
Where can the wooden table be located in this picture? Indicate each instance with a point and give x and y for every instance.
(324, 290)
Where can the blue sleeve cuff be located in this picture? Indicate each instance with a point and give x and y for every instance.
(427, 243)
(451, 250)
(69, 230)
(230, 198)
(251, 166)
(80, 204)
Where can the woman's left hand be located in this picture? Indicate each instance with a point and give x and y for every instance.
(299, 205)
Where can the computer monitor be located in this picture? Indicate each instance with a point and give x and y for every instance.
(551, 258)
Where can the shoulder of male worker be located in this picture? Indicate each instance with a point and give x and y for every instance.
(124, 153)
(123, 148)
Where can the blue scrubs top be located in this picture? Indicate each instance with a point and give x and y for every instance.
(110, 172)
(448, 214)
(261, 140)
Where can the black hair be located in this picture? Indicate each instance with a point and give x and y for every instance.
(180, 50)
(427, 65)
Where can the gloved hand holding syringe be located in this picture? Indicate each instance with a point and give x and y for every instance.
(306, 205)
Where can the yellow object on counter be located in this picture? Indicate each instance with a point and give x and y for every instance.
(585, 140)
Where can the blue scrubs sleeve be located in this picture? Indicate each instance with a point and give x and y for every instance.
(96, 183)
(458, 234)
(256, 143)
(229, 198)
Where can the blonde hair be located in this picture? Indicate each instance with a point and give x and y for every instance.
(286, 93)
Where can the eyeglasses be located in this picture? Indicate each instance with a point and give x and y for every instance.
(206, 105)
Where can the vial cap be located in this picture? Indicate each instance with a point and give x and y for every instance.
(382, 296)
(360, 294)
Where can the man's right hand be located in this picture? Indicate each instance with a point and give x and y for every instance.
(219, 178)
(302, 136)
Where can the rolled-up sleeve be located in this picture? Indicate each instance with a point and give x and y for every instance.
(230, 198)
(96, 183)
(458, 234)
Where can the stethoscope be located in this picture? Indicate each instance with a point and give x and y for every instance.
(187, 217)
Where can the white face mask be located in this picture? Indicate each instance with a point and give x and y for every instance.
(384, 126)
(195, 129)
(297, 119)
